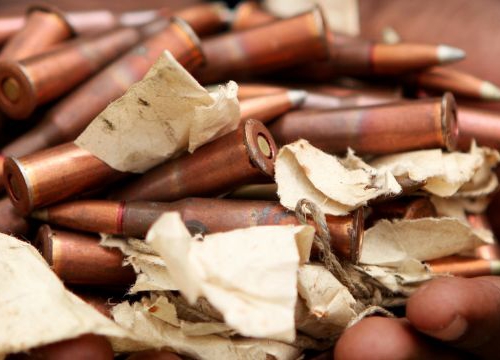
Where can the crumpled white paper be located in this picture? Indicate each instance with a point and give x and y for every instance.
(394, 243)
(35, 307)
(447, 174)
(336, 185)
(160, 116)
(249, 275)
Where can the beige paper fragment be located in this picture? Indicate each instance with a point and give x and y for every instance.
(330, 304)
(152, 273)
(336, 185)
(341, 15)
(446, 174)
(35, 307)
(156, 333)
(393, 243)
(165, 113)
(249, 275)
(458, 207)
(402, 280)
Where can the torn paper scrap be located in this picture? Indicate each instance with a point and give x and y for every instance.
(249, 275)
(341, 15)
(446, 174)
(165, 113)
(152, 273)
(35, 307)
(393, 243)
(336, 185)
(330, 305)
(156, 333)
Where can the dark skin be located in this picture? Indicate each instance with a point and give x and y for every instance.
(449, 318)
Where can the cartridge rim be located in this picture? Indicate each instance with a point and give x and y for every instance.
(261, 156)
(49, 8)
(357, 235)
(197, 56)
(18, 185)
(26, 102)
(449, 121)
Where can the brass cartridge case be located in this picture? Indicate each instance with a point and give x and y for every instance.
(406, 209)
(88, 346)
(481, 125)
(267, 108)
(378, 129)
(201, 215)
(65, 121)
(464, 266)
(44, 27)
(249, 14)
(42, 78)
(243, 156)
(54, 174)
(78, 258)
(278, 45)
(10, 221)
(206, 19)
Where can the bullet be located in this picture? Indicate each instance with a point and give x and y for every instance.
(249, 14)
(65, 121)
(268, 107)
(154, 355)
(315, 101)
(87, 346)
(78, 259)
(201, 215)
(54, 174)
(100, 300)
(206, 19)
(489, 251)
(267, 48)
(461, 84)
(240, 157)
(251, 90)
(44, 77)
(11, 222)
(255, 192)
(464, 266)
(481, 125)
(405, 209)
(378, 129)
(45, 26)
(408, 187)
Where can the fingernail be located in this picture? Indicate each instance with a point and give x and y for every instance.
(450, 332)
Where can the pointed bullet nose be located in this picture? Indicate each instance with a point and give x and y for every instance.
(297, 97)
(447, 54)
(490, 91)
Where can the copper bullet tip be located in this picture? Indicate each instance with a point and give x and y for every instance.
(449, 121)
(447, 54)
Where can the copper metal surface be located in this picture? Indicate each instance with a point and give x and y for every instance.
(316, 101)
(379, 129)
(266, 108)
(78, 258)
(251, 90)
(201, 215)
(489, 251)
(44, 27)
(54, 174)
(47, 76)
(88, 346)
(407, 209)
(441, 79)
(249, 14)
(463, 266)
(11, 222)
(266, 48)
(237, 158)
(206, 19)
(66, 120)
(481, 125)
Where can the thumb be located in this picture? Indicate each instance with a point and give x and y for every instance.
(465, 313)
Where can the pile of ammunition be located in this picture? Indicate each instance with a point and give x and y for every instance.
(297, 80)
